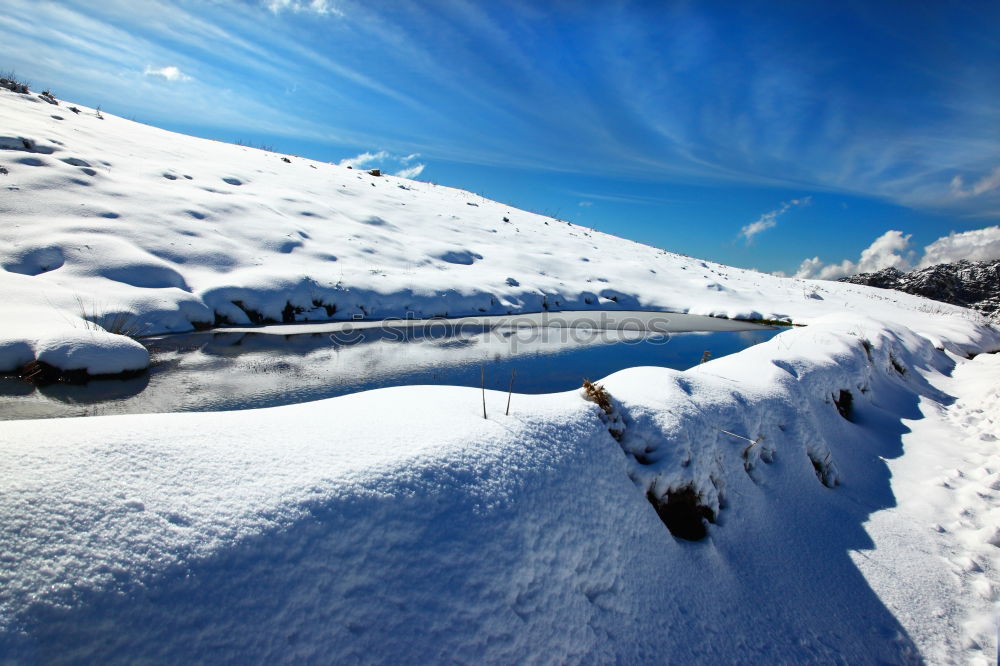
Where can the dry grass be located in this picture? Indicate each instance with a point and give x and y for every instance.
(118, 323)
(598, 395)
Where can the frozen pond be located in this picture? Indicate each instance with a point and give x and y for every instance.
(246, 368)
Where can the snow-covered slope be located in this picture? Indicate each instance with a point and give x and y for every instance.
(846, 464)
(147, 231)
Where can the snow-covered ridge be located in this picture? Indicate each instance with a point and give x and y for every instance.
(971, 284)
(399, 524)
(141, 229)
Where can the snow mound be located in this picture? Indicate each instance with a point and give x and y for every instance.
(95, 351)
(400, 525)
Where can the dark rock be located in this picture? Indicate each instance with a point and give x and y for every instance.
(970, 284)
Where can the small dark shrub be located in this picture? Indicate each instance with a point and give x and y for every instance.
(254, 316)
(9, 81)
(289, 312)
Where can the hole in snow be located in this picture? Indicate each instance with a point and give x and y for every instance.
(844, 402)
(683, 513)
(233, 181)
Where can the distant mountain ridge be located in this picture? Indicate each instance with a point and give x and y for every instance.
(971, 284)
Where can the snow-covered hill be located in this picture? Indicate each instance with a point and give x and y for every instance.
(971, 284)
(149, 231)
(839, 481)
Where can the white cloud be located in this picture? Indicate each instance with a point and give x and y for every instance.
(411, 172)
(892, 249)
(585, 204)
(384, 160)
(985, 184)
(321, 7)
(168, 73)
(887, 251)
(770, 219)
(364, 159)
(975, 245)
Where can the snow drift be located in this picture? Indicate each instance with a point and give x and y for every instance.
(399, 524)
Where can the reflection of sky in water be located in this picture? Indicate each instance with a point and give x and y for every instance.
(251, 369)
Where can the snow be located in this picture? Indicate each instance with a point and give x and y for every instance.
(943, 531)
(399, 524)
(107, 219)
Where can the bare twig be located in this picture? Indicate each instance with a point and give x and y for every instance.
(510, 390)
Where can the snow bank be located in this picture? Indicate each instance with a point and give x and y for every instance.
(173, 232)
(400, 525)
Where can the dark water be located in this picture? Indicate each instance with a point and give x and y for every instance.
(276, 366)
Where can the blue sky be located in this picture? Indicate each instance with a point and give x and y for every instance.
(757, 134)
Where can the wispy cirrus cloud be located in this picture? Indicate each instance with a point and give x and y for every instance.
(770, 219)
(987, 183)
(364, 159)
(321, 7)
(168, 73)
(717, 100)
(411, 172)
